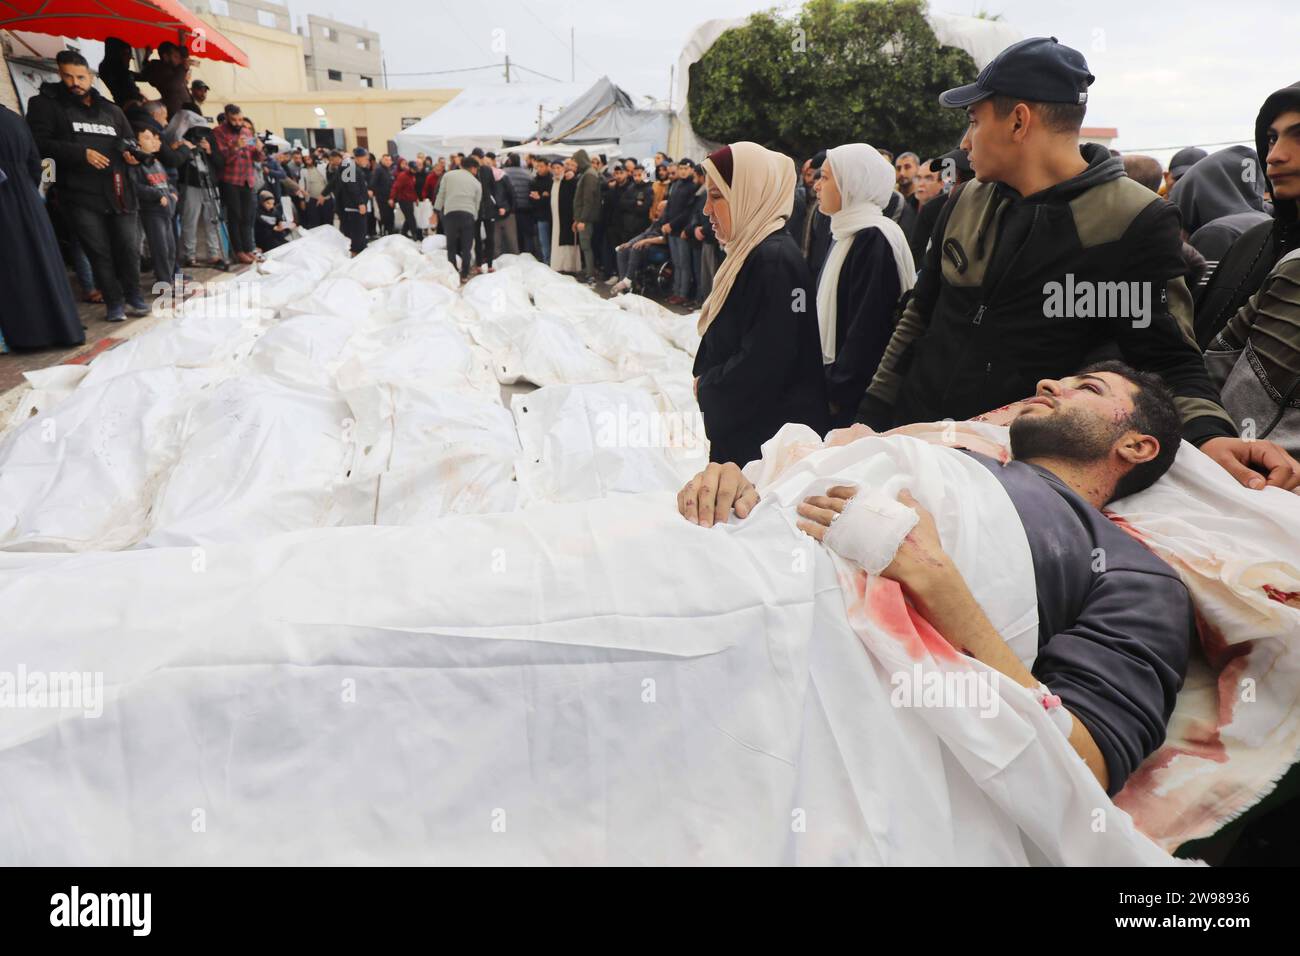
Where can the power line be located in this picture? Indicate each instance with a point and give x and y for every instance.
(528, 69)
(449, 10)
(463, 69)
(1139, 149)
(557, 39)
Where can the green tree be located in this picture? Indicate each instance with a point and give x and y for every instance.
(838, 71)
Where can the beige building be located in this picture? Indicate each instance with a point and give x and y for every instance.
(275, 91)
(265, 13)
(336, 55)
(1101, 135)
(340, 56)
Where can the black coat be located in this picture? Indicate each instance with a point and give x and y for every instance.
(567, 189)
(677, 211)
(381, 181)
(487, 206)
(542, 204)
(866, 303)
(349, 185)
(925, 220)
(760, 362)
(634, 202)
(36, 305)
(64, 128)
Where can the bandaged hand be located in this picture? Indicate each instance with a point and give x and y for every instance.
(877, 534)
(711, 496)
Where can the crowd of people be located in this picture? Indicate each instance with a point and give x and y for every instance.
(1052, 287)
(920, 283)
(934, 288)
(1134, 307)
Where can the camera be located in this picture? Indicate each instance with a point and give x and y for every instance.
(130, 146)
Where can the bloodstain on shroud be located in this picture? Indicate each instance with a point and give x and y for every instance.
(882, 602)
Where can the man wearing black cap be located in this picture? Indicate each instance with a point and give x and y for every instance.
(350, 186)
(198, 96)
(1183, 160)
(951, 169)
(1050, 258)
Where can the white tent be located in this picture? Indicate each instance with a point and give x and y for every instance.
(605, 113)
(487, 116)
(568, 149)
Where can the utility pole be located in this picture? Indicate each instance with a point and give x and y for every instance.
(507, 67)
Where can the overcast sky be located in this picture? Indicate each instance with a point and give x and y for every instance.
(1167, 74)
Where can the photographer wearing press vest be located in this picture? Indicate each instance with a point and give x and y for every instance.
(1052, 257)
(91, 143)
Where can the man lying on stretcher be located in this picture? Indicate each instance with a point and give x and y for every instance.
(1114, 636)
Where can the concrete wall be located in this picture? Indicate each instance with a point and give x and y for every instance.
(342, 53)
(274, 57)
(246, 10)
(378, 112)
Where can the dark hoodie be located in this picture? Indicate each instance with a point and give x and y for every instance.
(64, 128)
(115, 72)
(1220, 198)
(999, 301)
(1243, 268)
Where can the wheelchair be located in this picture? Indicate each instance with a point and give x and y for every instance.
(655, 278)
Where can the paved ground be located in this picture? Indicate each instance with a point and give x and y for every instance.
(100, 337)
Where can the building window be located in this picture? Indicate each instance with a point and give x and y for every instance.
(368, 82)
(266, 18)
(363, 137)
(363, 43)
(336, 75)
(220, 7)
(330, 33)
(306, 59)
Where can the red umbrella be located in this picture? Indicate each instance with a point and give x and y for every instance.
(141, 23)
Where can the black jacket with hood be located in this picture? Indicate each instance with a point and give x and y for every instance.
(999, 302)
(64, 128)
(1251, 258)
(1220, 198)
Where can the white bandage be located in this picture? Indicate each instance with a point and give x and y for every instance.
(870, 529)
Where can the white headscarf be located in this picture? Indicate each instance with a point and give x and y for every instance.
(866, 181)
(761, 196)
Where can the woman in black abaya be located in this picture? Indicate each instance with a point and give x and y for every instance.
(36, 305)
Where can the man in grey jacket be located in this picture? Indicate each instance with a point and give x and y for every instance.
(586, 213)
(457, 207)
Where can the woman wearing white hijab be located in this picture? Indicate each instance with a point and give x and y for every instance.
(868, 268)
(758, 365)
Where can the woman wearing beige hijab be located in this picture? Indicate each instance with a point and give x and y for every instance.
(759, 364)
